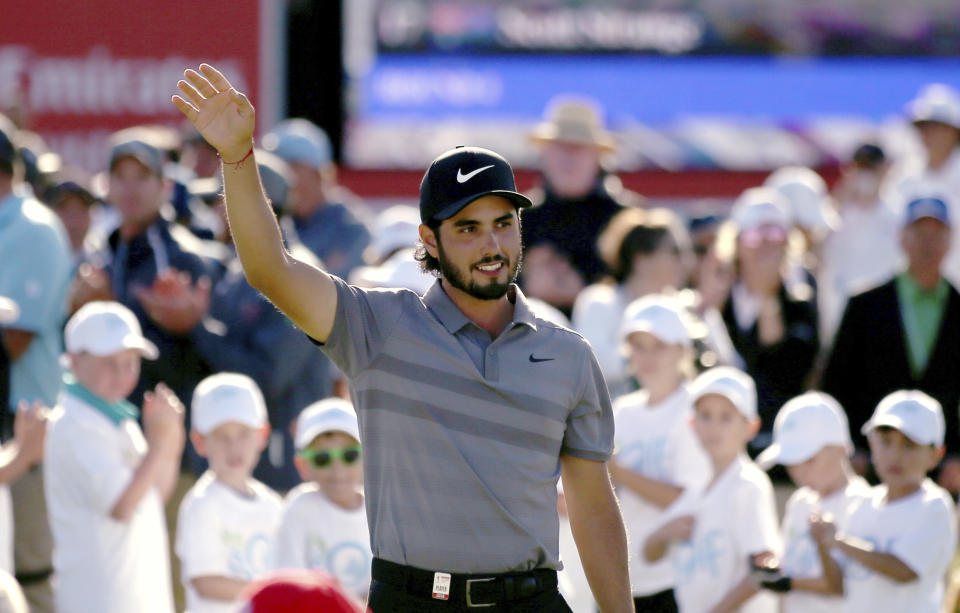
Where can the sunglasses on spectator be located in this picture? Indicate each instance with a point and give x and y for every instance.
(322, 458)
(754, 237)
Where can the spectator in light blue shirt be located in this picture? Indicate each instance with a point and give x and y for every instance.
(35, 273)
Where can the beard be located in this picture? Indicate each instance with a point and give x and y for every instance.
(463, 281)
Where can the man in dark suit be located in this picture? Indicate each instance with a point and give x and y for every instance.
(904, 334)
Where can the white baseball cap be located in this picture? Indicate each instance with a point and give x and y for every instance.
(400, 270)
(938, 103)
(9, 311)
(226, 397)
(661, 316)
(805, 425)
(913, 413)
(808, 197)
(761, 206)
(104, 328)
(733, 384)
(397, 227)
(327, 415)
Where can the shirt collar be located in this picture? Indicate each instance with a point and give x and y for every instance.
(909, 288)
(453, 318)
(116, 412)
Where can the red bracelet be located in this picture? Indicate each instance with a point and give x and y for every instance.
(236, 165)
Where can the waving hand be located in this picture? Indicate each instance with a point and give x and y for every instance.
(222, 115)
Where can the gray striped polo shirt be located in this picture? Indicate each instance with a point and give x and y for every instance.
(461, 462)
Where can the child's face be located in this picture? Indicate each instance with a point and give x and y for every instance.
(898, 460)
(111, 377)
(341, 476)
(232, 449)
(652, 360)
(722, 429)
(821, 471)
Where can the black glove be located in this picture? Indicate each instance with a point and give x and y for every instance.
(768, 578)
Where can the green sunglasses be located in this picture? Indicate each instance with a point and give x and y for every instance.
(322, 458)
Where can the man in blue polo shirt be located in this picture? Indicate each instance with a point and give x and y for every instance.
(35, 270)
(470, 406)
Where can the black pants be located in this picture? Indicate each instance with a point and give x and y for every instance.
(661, 602)
(388, 599)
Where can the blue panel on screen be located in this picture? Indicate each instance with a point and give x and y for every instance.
(654, 90)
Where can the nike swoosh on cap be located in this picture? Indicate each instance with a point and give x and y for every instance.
(463, 178)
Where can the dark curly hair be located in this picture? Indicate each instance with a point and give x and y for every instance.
(428, 263)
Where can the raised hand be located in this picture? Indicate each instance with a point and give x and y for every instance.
(222, 115)
(822, 529)
(173, 303)
(680, 528)
(29, 431)
(163, 420)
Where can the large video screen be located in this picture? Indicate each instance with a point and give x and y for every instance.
(730, 84)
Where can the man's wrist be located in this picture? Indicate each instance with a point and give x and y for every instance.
(236, 154)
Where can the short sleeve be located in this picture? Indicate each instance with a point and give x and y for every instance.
(39, 289)
(589, 432)
(363, 322)
(927, 545)
(757, 528)
(199, 545)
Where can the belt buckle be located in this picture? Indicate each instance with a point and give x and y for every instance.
(470, 602)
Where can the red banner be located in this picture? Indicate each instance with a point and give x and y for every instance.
(77, 71)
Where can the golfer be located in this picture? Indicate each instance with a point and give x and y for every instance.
(470, 405)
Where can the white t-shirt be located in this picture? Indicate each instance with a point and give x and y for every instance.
(224, 533)
(734, 518)
(598, 315)
(920, 531)
(800, 556)
(6, 530)
(316, 534)
(658, 442)
(102, 564)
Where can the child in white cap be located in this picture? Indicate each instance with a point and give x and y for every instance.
(227, 520)
(898, 543)
(715, 533)
(657, 453)
(811, 438)
(324, 524)
(106, 483)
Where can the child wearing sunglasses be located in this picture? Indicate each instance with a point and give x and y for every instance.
(227, 519)
(324, 522)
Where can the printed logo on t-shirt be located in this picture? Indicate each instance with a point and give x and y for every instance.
(701, 555)
(248, 555)
(348, 561)
(648, 457)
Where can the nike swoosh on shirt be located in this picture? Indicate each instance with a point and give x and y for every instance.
(463, 178)
(533, 359)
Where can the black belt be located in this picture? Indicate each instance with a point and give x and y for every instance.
(33, 577)
(474, 590)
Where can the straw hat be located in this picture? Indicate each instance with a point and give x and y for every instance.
(576, 121)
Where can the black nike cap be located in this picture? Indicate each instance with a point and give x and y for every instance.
(460, 176)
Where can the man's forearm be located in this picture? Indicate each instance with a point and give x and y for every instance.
(252, 222)
(602, 543)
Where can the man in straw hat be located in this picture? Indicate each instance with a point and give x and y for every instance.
(575, 201)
